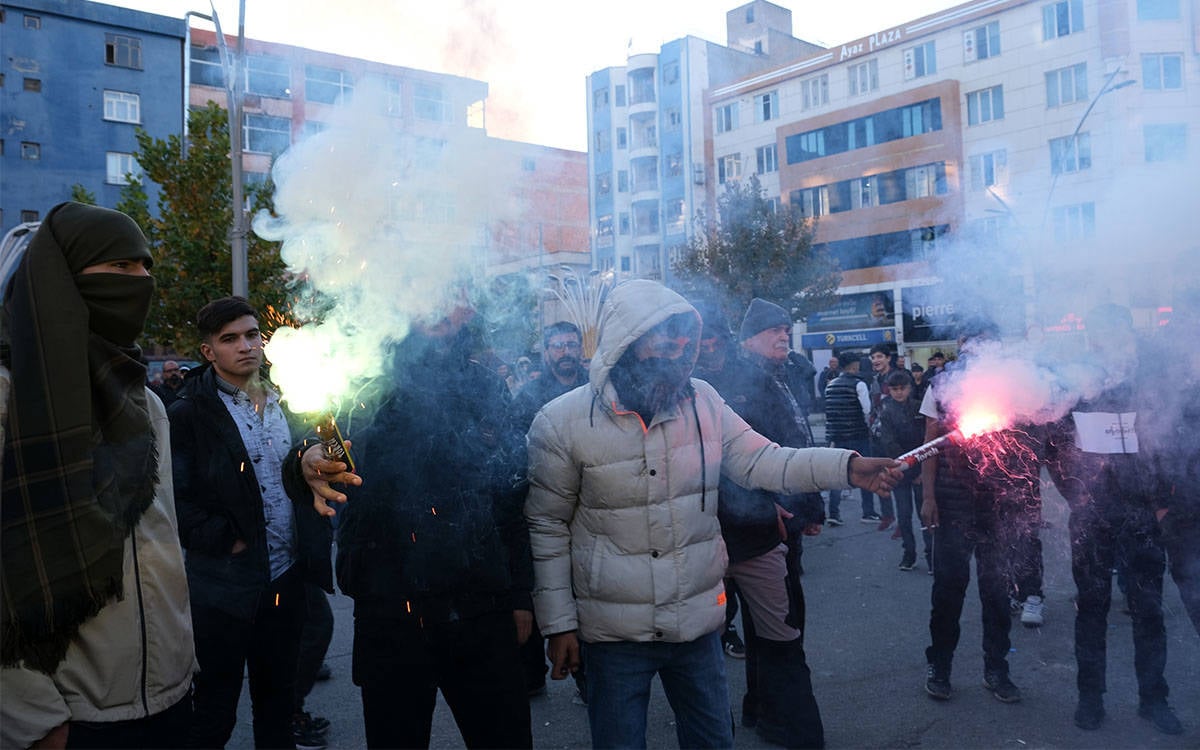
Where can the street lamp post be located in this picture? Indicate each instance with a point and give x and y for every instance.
(233, 92)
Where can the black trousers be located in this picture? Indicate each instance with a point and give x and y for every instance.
(1100, 542)
(267, 646)
(954, 542)
(401, 665)
(314, 641)
(1183, 549)
(166, 729)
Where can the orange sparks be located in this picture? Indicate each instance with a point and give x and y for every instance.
(277, 600)
(414, 537)
(242, 467)
(408, 607)
(434, 511)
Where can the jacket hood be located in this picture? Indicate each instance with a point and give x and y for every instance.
(632, 309)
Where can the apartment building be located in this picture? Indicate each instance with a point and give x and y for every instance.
(647, 169)
(80, 77)
(77, 80)
(1056, 132)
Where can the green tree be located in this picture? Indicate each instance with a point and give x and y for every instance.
(190, 239)
(752, 249)
(80, 194)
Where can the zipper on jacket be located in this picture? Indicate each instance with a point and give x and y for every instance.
(137, 578)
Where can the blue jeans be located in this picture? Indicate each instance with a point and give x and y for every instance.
(693, 677)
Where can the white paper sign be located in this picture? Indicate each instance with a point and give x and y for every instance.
(1106, 432)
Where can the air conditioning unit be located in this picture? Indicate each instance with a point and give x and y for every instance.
(698, 174)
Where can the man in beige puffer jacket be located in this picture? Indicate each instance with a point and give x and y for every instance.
(622, 511)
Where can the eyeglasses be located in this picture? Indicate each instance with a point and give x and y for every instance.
(559, 346)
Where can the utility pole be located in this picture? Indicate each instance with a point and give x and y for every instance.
(234, 84)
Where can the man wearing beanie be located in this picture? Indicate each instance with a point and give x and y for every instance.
(97, 639)
(762, 532)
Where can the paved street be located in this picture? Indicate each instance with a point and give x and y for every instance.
(867, 630)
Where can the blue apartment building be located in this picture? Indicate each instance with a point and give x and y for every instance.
(78, 79)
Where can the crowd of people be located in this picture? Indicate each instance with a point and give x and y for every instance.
(603, 519)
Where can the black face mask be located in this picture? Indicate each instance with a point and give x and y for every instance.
(117, 304)
(653, 384)
(173, 380)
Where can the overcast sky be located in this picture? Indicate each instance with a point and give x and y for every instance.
(534, 54)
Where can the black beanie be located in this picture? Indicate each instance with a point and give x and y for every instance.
(760, 316)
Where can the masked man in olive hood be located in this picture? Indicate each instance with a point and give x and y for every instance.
(622, 510)
(97, 639)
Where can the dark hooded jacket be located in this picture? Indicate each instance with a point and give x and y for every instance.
(748, 517)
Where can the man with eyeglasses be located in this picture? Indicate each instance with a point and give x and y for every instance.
(562, 352)
(562, 349)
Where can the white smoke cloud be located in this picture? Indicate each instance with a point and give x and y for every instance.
(386, 224)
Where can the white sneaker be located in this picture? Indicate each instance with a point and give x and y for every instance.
(1032, 612)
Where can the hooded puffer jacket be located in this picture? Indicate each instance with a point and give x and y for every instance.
(623, 516)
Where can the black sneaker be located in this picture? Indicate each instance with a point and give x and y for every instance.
(1161, 715)
(937, 682)
(318, 724)
(1001, 687)
(305, 737)
(908, 563)
(1089, 714)
(833, 521)
(733, 644)
(871, 518)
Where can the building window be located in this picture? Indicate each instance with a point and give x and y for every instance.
(622, 181)
(985, 105)
(1162, 72)
(33, 23)
(1062, 18)
(604, 183)
(729, 168)
(263, 134)
(1166, 142)
(881, 127)
(766, 107)
(864, 77)
(622, 137)
(268, 76)
(641, 86)
(33, 84)
(623, 222)
(392, 91)
(726, 118)
(925, 181)
(1158, 10)
(625, 266)
(121, 106)
(123, 51)
(674, 119)
(430, 103)
(674, 164)
(675, 216)
(1070, 154)
(619, 95)
(1066, 85)
(120, 167)
(28, 216)
(327, 85)
(31, 151)
(981, 42)
(988, 169)
(671, 73)
(600, 141)
(920, 61)
(604, 231)
(599, 99)
(767, 158)
(1074, 222)
(206, 67)
(815, 91)
(312, 127)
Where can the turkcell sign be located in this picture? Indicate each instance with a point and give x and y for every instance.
(846, 339)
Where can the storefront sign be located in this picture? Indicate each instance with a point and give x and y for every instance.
(848, 339)
(853, 311)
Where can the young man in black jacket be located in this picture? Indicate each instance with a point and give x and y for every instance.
(434, 550)
(247, 522)
(762, 532)
(902, 428)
